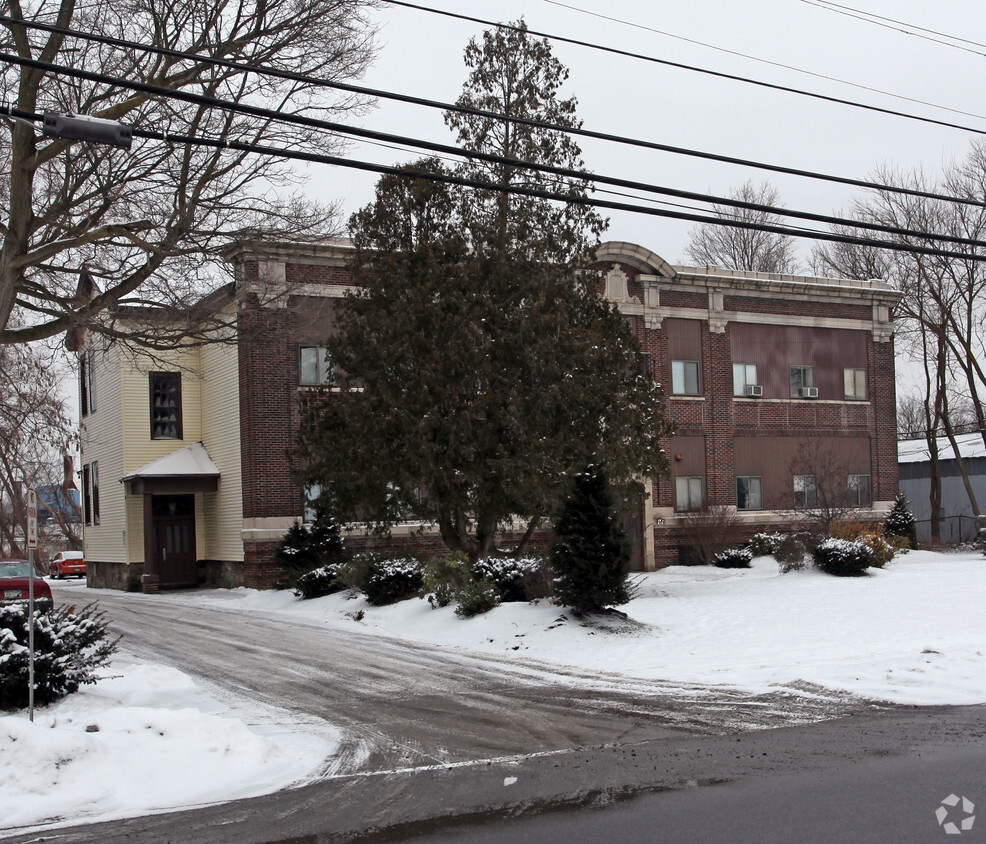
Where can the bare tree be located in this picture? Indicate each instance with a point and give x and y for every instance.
(828, 487)
(88, 227)
(36, 433)
(944, 305)
(745, 249)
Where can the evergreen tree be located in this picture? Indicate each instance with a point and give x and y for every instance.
(488, 370)
(900, 521)
(591, 558)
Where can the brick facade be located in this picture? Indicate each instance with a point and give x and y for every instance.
(652, 291)
(836, 324)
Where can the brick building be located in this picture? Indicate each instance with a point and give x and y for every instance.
(185, 473)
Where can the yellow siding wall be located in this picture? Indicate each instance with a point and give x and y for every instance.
(100, 442)
(138, 447)
(221, 436)
(117, 435)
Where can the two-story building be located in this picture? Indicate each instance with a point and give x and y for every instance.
(184, 454)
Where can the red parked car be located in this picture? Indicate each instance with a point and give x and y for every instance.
(67, 563)
(14, 585)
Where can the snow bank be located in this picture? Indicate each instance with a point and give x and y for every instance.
(146, 740)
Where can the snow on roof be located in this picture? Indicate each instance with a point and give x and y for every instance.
(916, 451)
(193, 460)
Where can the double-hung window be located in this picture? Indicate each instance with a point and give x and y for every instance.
(315, 368)
(165, 395)
(744, 378)
(749, 495)
(855, 383)
(859, 491)
(684, 377)
(688, 494)
(802, 381)
(805, 491)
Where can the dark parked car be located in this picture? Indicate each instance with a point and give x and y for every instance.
(14, 585)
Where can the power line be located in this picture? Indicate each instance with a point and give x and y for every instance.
(896, 25)
(693, 68)
(448, 149)
(518, 190)
(768, 62)
(453, 107)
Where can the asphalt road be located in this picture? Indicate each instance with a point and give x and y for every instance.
(433, 737)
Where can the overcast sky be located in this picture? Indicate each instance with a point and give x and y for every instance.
(421, 54)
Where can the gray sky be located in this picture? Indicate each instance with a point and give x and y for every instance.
(421, 54)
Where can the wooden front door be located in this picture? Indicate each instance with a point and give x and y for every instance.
(174, 540)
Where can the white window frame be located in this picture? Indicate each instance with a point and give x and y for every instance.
(744, 375)
(807, 487)
(856, 487)
(689, 493)
(754, 492)
(854, 383)
(805, 378)
(680, 370)
(317, 371)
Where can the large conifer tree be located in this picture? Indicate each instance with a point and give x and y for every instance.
(488, 370)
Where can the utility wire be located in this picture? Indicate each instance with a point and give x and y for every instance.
(537, 193)
(448, 149)
(768, 62)
(693, 68)
(898, 26)
(453, 107)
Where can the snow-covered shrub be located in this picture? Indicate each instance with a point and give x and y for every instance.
(869, 533)
(392, 580)
(306, 547)
(444, 578)
(511, 576)
(901, 524)
(733, 558)
(69, 647)
(844, 557)
(477, 596)
(352, 573)
(318, 582)
(765, 544)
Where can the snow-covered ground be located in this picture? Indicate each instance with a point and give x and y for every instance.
(145, 739)
(914, 632)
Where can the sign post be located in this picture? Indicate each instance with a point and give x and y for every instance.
(32, 543)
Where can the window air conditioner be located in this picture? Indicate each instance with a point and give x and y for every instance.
(754, 390)
(809, 392)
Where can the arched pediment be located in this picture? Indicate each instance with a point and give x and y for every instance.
(649, 263)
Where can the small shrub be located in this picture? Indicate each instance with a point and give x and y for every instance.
(388, 581)
(477, 596)
(510, 576)
(793, 552)
(352, 573)
(318, 582)
(69, 647)
(765, 544)
(901, 523)
(870, 534)
(733, 558)
(844, 557)
(444, 578)
(306, 547)
(708, 531)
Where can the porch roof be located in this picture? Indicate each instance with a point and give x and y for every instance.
(190, 462)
